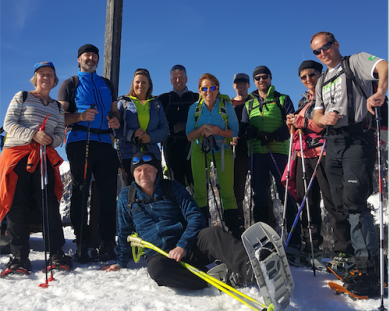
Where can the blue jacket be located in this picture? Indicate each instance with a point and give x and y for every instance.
(157, 129)
(164, 223)
(92, 89)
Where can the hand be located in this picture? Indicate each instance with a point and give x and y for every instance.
(234, 142)
(177, 253)
(138, 133)
(290, 120)
(89, 114)
(206, 131)
(267, 138)
(42, 138)
(251, 132)
(330, 118)
(113, 123)
(109, 268)
(375, 100)
(145, 138)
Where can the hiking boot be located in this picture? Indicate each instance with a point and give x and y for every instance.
(107, 251)
(293, 254)
(342, 263)
(361, 283)
(224, 274)
(306, 258)
(60, 261)
(18, 266)
(86, 254)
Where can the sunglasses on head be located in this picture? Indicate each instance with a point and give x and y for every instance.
(206, 88)
(258, 78)
(325, 47)
(145, 158)
(310, 75)
(142, 70)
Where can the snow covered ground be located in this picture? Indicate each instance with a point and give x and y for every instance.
(87, 288)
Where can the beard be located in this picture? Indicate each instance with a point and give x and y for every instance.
(88, 68)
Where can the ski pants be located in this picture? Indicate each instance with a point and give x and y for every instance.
(225, 178)
(27, 205)
(349, 167)
(262, 165)
(103, 163)
(320, 185)
(176, 151)
(212, 243)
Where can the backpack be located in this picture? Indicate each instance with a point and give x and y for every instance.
(350, 78)
(276, 99)
(167, 190)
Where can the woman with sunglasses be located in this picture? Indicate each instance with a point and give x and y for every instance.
(309, 72)
(213, 116)
(144, 124)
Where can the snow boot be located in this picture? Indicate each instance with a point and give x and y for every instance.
(224, 274)
(86, 254)
(60, 261)
(16, 265)
(107, 251)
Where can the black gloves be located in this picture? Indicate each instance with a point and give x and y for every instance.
(267, 138)
(251, 132)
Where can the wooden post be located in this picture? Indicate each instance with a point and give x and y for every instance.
(112, 45)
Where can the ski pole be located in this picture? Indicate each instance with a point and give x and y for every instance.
(231, 291)
(284, 220)
(305, 197)
(307, 201)
(85, 190)
(380, 180)
(204, 141)
(251, 215)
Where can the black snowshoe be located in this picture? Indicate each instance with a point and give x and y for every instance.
(17, 266)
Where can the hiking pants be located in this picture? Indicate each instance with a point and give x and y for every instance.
(27, 204)
(262, 165)
(225, 178)
(103, 163)
(349, 166)
(320, 185)
(212, 243)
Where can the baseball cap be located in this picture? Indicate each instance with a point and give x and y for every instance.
(241, 77)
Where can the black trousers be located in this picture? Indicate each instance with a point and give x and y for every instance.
(176, 152)
(339, 222)
(103, 163)
(27, 205)
(212, 243)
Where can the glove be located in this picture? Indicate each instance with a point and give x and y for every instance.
(251, 132)
(267, 138)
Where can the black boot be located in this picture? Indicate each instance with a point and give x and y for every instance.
(234, 222)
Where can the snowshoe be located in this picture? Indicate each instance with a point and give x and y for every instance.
(59, 261)
(222, 273)
(17, 266)
(339, 289)
(341, 263)
(269, 263)
(85, 255)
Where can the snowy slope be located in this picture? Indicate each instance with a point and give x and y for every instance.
(87, 288)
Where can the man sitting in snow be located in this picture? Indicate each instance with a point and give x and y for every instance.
(164, 213)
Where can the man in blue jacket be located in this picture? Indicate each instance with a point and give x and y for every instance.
(171, 220)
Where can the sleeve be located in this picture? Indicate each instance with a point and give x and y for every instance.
(364, 65)
(232, 119)
(300, 123)
(125, 228)
(319, 101)
(64, 91)
(163, 98)
(114, 94)
(11, 120)
(192, 214)
(244, 122)
(161, 132)
(190, 125)
(59, 131)
(288, 105)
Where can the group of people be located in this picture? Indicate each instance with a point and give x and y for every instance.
(196, 129)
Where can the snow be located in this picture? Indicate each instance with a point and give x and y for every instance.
(87, 288)
(64, 167)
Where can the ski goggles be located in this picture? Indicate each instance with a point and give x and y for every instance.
(144, 158)
(325, 47)
(310, 75)
(206, 88)
(258, 78)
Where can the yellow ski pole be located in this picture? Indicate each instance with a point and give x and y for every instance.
(232, 292)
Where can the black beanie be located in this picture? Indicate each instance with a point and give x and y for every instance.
(87, 48)
(261, 69)
(154, 162)
(310, 64)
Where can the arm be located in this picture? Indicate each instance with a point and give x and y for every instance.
(232, 121)
(59, 131)
(114, 121)
(288, 105)
(162, 131)
(377, 99)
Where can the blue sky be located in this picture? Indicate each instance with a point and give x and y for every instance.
(220, 37)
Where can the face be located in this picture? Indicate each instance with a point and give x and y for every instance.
(88, 62)
(179, 80)
(45, 78)
(145, 176)
(330, 57)
(140, 86)
(209, 96)
(241, 88)
(310, 80)
(264, 83)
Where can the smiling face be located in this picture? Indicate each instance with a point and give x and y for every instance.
(241, 88)
(330, 57)
(264, 83)
(309, 80)
(140, 86)
(88, 62)
(45, 77)
(145, 176)
(208, 96)
(179, 80)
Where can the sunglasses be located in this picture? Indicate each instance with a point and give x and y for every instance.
(310, 75)
(145, 158)
(142, 70)
(325, 47)
(206, 88)
(258, 78)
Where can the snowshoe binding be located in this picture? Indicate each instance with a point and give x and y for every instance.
(17, 266)
(59, 261)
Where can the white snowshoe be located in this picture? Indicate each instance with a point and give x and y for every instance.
(269, 263)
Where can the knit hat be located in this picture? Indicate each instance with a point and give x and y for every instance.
(43, 64)
(87, 48)
(261, 69)
(308, 64)
(144, 157)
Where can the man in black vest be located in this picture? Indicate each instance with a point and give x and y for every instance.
(176, 104)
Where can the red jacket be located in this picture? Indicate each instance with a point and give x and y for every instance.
(8, 178)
